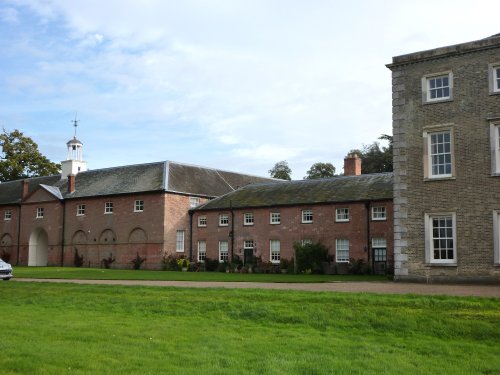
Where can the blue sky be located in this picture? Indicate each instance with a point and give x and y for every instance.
(236, 85)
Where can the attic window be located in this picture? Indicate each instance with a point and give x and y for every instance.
(39, 213)
(7, 215)
(194, 201)
(108, 208)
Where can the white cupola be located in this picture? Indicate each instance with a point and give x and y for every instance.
(74, 160)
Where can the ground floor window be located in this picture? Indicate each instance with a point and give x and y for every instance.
(342, 250)
(496, 237)
(379, 246)
(275, 246)
(440, 242)
(223, 251)
(179, 241)
(202, 251)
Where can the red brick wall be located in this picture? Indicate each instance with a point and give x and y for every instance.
(324, 229)
(124, 233)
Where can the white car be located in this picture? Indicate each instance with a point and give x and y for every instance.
(5, 270)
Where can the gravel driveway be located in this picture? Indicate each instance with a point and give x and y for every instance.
(362, 287)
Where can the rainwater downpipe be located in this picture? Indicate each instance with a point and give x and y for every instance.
(190, 235)
(231, 234)
(63, 230)
(368, 247)
(18, 234)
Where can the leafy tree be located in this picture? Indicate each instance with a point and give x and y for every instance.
(374, 158)
(281, 170)
(320, 170)
(20, 158)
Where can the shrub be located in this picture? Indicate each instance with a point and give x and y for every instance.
(78, 259)
(169, 263)
(309, 257)
(137, 262)
(211, 264)
(359, 267)
(106, 262)
(182, 263)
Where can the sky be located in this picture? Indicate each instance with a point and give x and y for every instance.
(229, 84)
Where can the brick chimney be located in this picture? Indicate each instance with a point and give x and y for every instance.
(25, 192)
(352, 165)
(71, 183)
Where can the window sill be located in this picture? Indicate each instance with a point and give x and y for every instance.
(497, 174)
(494, 93)
(437, 101)
(341, 221)
(427, 179)
(385, 219)
(306, 222)
(248, 225)
(442, 265)
(274, 223)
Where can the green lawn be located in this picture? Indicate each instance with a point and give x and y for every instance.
(99, 329)
(111, 274)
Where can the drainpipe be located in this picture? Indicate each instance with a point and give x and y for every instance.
(368, 247)
(63, 230)
(231, 234)
(190, 235)
(18, 234)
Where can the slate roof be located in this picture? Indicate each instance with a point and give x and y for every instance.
(160, 176)
(11, 191)
(329, 190)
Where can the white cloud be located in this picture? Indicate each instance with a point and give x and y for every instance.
(257, 80)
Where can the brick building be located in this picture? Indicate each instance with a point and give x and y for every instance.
(446, 128)
(350, 215)
(118, 212)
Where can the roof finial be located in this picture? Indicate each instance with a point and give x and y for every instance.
(75, 123)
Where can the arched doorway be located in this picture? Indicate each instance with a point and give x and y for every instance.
(39, 248)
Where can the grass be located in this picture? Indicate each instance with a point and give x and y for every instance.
(112, 274)
(99, 329)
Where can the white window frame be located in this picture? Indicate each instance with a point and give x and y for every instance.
(248, 218)
(427, 89)
(274, 218)
(194, 202)
(223, 220)
(379, 243)
(7, 215)
(379, 213)
(108, 208)
(429, 238)
(342, 250)
(40, 212)
(342, 215)
(202, 221)
(275, 251)
(80, 210)
(223, 251)
(202, 251)
(307, 216)
(179, 241)
(306, 241)
(139, 205)
(494, 78)
(428, 155)
(496, 237)
(495, 147)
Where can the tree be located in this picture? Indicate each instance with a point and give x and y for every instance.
(21, 158)
(320, 170)
(281, 170)
(376, 159)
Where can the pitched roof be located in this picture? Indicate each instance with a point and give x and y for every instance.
(11, 191)
(329, 190)
(139, 178)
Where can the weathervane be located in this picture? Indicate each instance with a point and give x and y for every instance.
(75, 123)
